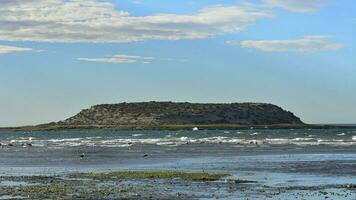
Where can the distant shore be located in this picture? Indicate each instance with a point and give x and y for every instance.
(49, 127)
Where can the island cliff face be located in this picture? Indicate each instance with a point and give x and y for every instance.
(170, 113)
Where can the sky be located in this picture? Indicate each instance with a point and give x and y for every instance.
(60, 56)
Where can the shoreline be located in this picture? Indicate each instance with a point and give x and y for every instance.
(47, 127)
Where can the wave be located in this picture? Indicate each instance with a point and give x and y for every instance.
(177, 141)
(66, 140)
(137, 135)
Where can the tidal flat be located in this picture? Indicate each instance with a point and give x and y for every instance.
(104, 185)
(157, 185)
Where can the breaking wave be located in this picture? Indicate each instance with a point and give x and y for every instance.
(251, 138)
(176, 141)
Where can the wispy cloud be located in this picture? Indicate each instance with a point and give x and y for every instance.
(99, 21)
(302, 6)
(120, 58)
(182, 60)
(304, 45)
(13, 49)
(137, 2)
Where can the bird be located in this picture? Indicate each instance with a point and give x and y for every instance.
(82, 155)
(28, 143)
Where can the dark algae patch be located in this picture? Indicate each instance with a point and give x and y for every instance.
(109, 185)
(193, 176)
(59, 191)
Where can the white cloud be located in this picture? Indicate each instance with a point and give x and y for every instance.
(302, 6)
(304, 45)
(98, 21)
(120, 58)
(123, 58)
(12, 49)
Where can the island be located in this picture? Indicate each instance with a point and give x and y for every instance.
(177, 116)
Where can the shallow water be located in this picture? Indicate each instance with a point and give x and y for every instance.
(273, 158)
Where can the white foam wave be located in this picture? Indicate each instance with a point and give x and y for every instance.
(176, 141)
(303, 139)
(137, 135)
(277, 140)
(66, 140)
(167, 144)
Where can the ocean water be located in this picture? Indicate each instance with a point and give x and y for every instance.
(298, 137)
(111, 147)
(273, 158)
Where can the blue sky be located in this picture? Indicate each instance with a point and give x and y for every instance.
(58, 57)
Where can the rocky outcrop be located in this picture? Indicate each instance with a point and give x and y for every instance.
(170, 113)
